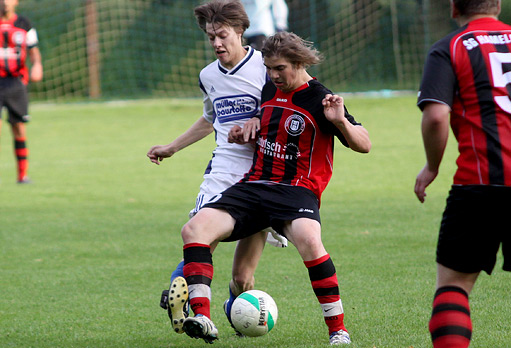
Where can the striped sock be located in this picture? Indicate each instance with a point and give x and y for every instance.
(450, 324)
(325, 285)
(21, 152)
(198, 272)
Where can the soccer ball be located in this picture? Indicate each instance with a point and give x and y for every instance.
(254, 313)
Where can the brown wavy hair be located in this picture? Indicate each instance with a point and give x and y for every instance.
(225, 12)
(293, 48)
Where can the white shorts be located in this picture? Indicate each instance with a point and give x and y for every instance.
(214, 184)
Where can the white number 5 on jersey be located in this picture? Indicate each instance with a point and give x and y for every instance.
(500, 78)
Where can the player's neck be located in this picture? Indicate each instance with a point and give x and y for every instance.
(8, 16)
(303, 79)
(240, 54)
(465, 20)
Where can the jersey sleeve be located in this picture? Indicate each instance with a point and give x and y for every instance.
(439, 80)
(32, 40)
(208, 111)
(23, 23)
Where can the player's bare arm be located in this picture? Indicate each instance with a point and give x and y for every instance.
(199, 130)
(356, 136)
(36, 71)
(435, 131)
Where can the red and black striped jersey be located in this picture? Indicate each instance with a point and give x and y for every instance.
(296, 142)
(16, 37)
(470, 70)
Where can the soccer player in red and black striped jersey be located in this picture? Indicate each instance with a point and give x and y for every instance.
(18, 39)
(467, 76)
(292, 165)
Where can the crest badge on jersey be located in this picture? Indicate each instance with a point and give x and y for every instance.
(295, 125)
(18, 37)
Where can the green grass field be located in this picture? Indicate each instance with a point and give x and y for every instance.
(87, 248)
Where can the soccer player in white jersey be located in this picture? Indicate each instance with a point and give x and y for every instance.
(232, 87)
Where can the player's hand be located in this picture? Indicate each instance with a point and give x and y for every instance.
(235, 135)
(424, 178)
(157, 153)
(334, 108)
(250, 129)
(246, 134)
(36, 73)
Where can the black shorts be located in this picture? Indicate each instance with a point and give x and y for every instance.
(474, 225)
(14, 97)
(256, 206)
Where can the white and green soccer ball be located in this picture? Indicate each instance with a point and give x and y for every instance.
(254, 313)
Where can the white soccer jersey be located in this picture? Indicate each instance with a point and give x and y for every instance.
(231, 97)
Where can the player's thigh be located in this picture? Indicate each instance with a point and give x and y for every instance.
(209, 225)
(305, 234)
(247, 254)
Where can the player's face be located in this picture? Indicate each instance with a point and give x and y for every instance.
(283, 74)
(7, 6)
(227, 44)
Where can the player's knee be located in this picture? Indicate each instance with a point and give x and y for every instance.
(198, 230)
(309, 241)
(189, 233)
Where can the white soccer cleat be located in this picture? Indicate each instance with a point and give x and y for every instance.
(275, 239)
(201, 326)
(339, 337)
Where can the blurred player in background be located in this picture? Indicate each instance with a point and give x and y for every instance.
(18, 39)
(231, 87)
(266, 18)
(467, 76)
(292, 166)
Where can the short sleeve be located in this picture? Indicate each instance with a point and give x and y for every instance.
(439, 80)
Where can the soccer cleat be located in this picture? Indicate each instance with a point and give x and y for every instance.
(227, 311)
(201, 326)
(24, 180)
(339, 337)
(175, 301)
(164, 300)
(275, 239)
